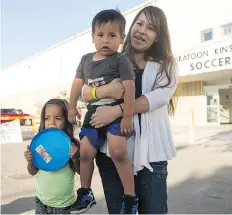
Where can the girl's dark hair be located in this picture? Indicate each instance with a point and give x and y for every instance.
(111, 15)
(68, 127)
(160, 51)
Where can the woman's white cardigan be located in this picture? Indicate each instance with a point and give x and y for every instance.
(155, 143)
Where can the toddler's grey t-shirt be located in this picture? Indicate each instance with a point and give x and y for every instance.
(98, 73)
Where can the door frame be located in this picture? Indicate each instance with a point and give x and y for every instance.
(216, 89)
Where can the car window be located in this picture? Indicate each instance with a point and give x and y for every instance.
(8, 111)
(4, 110)
(19, 111)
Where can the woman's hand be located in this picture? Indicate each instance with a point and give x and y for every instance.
(112, 90)
(115, 89)
(105, 115)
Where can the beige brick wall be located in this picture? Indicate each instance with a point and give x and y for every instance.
(185, 105)
(190, 97)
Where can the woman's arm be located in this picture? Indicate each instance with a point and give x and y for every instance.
(101, 92)
(154, 99)
(162, 93)
(112, 90)
(161, 96)
(141, 105)
(106, 114)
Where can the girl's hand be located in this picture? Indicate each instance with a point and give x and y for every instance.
(73, 152)
(28, 154)
(105, 115)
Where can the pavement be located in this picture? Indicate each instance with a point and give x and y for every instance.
(199, 179)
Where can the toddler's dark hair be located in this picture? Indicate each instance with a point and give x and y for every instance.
(110, 15)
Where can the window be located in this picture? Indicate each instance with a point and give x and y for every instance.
(206, 35)
(227, 29)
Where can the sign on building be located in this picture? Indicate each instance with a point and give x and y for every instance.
(210, 58)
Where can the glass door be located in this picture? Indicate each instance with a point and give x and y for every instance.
(212, 107)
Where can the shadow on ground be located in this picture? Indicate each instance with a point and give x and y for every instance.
(223, 138)
(220, 136)
(210, 195)
(23, 205)
(18, 206)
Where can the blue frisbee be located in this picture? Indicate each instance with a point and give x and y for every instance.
(50, 149)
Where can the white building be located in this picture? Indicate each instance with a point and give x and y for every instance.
(201, 33)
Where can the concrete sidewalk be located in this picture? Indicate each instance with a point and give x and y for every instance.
(199, 179)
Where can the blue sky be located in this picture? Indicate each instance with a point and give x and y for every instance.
(30, 26)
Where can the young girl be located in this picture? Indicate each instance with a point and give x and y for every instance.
(55, 190)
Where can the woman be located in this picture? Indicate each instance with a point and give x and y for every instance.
(149, 49)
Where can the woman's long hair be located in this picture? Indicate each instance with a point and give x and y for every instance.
(160, 51)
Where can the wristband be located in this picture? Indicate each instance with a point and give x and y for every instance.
(94, 93)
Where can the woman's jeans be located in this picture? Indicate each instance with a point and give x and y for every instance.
(150, 187)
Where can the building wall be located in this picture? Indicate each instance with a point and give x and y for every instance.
(32, 101)
(187, 19)
(190, 98)
(191, 89)
(185, 106)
